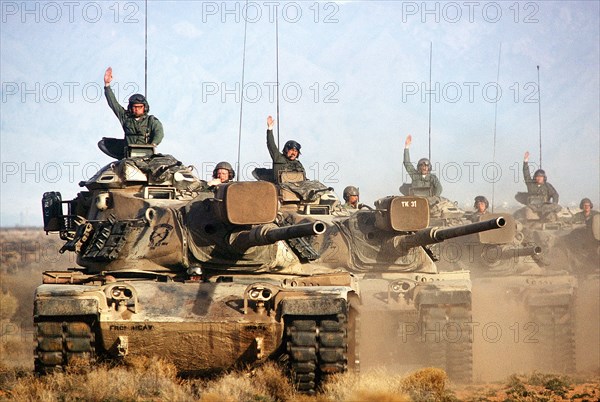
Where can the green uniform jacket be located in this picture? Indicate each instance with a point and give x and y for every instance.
(147, 130)
(419, 180)
(350, 206)
(280, 161)
(544, 192)
(580, 217)
(476, 216)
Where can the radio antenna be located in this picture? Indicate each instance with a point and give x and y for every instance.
(495, 123)
(430, 63)
(242, 99)
(277, 70)
(540, 112)
(146, 48)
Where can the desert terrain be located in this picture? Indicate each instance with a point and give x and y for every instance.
(503, 368)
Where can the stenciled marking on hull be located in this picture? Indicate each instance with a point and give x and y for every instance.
(140, 327)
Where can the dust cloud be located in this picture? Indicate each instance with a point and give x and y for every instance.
(506, 338)
(587, 324)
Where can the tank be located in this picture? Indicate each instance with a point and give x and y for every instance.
(581, 243)
(201, 276)
(569, 255)
(523, 266)
(410, 314)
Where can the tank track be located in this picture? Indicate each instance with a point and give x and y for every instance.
(317, 347)
(555, 337)
(448, 340)
(59, 343)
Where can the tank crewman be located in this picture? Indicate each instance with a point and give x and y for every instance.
(481, 206)
(421, 176)
(138, 125)
(287, 160)
(351, 196)
(587, 213)
(222, 173)
(539, 191)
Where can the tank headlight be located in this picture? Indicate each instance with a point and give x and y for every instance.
(401, 286)
(119, 292)
(260, 293)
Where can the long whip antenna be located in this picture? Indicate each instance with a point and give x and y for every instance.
(540, 112)
(430, 62)
(495, 122)
(277, 70)
(242, 99)
(146, 49)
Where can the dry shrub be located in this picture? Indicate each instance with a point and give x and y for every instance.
(428, 384)
(10, 376)
(537, 386)
(265, 383)
(146, 380)
(273, 380)
(557, 384)
(307, 398)
(31, 388)
(376, 385)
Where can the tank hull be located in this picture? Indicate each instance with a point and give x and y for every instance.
(200, 327)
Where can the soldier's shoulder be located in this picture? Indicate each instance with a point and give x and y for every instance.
(152, 118)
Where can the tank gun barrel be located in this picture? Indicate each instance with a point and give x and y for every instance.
(433, 235)
(268, 234)
(513, 252)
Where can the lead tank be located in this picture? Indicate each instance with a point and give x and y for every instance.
(201, 276)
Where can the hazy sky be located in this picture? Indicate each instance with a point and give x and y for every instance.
(354, 81)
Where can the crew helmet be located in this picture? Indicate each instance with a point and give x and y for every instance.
(585, 200)
(136, 99)
(481, 198)
(540, 172)
(224, 165)
(423, 161)
(291, 144)
(350, 190)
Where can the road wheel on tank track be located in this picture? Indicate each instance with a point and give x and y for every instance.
(317, 347)
(448, 340)
(555, 338)
(60, 343)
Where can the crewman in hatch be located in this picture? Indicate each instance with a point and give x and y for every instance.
(287, 160)
(222, 173)
(351, 196)
(139, 127)
(424, 183)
